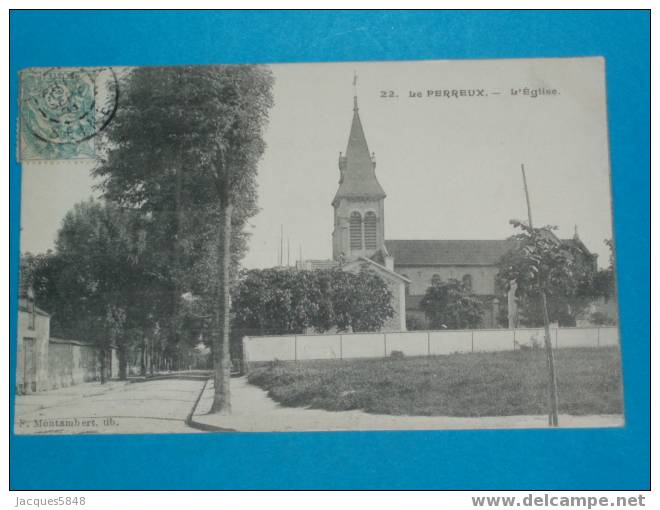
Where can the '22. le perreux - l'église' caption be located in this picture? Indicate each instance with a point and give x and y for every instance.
(471, 93)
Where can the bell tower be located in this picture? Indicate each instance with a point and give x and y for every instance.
(359, 201)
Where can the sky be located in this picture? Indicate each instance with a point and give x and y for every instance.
(450, 165)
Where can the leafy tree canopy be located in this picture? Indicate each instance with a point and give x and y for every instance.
(276, 301)
(449, 304)
(541, 261)
(184, 139)
(603, 282)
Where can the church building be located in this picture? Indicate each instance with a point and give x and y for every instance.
(408, 266)
(359, 214)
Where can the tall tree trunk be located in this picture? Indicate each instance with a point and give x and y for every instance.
(102, 354)
(221, 353)
(151, 356)
(553, 415)
(143, 358)
(176, 305)
(122, 358)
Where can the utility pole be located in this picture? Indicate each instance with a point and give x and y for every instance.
(553, 418)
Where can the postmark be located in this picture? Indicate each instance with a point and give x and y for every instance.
(63, 110)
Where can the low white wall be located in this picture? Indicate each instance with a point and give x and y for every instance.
(608, 337)
(414, 343)
(308, 347)
(363, 345)
(447, 342)
(418, 343)
(492, 340)
(270, 348)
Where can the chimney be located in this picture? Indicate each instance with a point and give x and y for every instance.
(389, 262)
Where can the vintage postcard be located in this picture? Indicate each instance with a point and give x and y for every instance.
(316, 247)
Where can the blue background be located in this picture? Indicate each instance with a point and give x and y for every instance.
(531, 459)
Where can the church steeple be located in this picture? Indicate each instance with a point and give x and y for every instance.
(359, 201)
(357, 167)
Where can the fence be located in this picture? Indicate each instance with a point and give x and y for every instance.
(418, 343)
(71, 362)
(44, 362)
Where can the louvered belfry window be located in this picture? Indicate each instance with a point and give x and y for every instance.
(370, 227)
(356, 231)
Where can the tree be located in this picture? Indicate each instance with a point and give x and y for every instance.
(542, 265)
(40, 272)
(95, 284)
(361, 301)
(275, 301)
(184, 147)
(539, 259)
(603, 282)
(451, 305)
(600, 319)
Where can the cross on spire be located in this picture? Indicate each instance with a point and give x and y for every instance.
(355, 78)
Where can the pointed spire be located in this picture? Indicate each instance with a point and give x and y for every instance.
(357, 166)
(357, 143)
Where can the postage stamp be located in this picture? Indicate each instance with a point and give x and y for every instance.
(62, 111)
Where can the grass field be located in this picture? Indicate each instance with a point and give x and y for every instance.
(477, 384)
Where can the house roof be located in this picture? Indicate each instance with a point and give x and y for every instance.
(313, 265)
(577, 242)
(66, 341)
(377, 266)
(416, 252)
(358, 176)
(23, 308)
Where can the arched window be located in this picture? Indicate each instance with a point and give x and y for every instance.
(467, 282)
(356, 231)
(370, 223)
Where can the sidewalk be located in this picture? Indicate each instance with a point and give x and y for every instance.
(161, 405)
(25, 404)
(254, 411)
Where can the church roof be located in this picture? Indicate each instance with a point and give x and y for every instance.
(455, 252)
(448, 252)
(358, 176)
